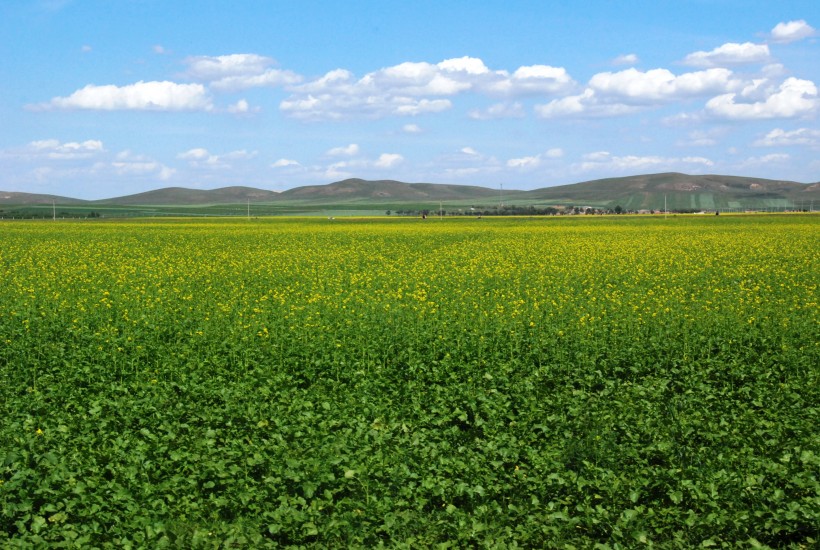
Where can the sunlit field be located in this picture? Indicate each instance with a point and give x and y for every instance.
(619, 381)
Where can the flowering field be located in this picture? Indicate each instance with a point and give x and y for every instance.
(496, 383)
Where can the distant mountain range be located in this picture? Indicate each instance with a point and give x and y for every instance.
(651, 191)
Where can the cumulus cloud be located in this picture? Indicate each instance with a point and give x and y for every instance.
(530, 80)
(779, 137)
(128, 164)
(238, 72)
(142, 96)
(135, 167)
(388, 160)
(346, 151)
(498, 110)
(627, 91)
(240, 106)
(210, 68)
(55, 150)
(603, 160)
(534, 161)
(730, 54)
(765, 160)
(414, 88)
(702, 138)
(339, 107)
(793, 98)
(202, 158)
(634, 86)
(792, 31)
(525, 162)
(284, 163)
(626, 59)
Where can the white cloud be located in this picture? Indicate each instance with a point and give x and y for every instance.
(208, 68)
(774, 158)
(346, 151)
(72, 150)
(410, 107)
(701, 138)
(202, 158)
(238, 72)
(413, 88)
(532, 162)
(793, 98)
(605, 161)
(525, 163)
(469, 151)
(388, 160)
(284, 163)
(499, 110)
(241, 107)
(159, 50)
(625, 92)
(730, 54)
(792, 31)
(141, 168)
(411, 129)
(86, 49)
(339, 107)
(780, 137)
(587, 103)
(142, 96)
(634, 86)
(531, 80)
(269, 78)
(129, 165)
(469, 65)
(626, 59)
(194, 154)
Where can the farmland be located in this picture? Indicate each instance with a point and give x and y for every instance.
(619, 381)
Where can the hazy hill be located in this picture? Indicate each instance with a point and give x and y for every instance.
(681, 191)
(644, 192)
(358, 190)
(178, 196)
(13, 197)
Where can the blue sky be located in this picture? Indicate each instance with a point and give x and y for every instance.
(101, 98)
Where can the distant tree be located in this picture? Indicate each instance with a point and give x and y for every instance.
(619, 209)
(388, 212)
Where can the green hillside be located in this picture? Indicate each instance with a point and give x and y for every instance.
(177, 196)
(383, 191)
(673, 191)
(681, 192)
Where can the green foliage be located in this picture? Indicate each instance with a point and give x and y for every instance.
(567, 383)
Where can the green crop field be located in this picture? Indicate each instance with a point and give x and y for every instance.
(586, 382)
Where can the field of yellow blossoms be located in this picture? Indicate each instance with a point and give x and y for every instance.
(607, 382)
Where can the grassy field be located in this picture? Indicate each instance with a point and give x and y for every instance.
(607, 382)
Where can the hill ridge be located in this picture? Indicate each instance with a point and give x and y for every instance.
(643, 191)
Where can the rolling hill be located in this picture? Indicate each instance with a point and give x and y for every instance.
(643, 192)
(681, 192)
(179, 196)
(358, 190)
(17, 198)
